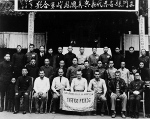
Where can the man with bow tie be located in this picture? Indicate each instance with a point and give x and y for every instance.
(59, 83)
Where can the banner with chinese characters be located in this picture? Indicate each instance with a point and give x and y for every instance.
(142, 32)
(78, 101)
(76, 5)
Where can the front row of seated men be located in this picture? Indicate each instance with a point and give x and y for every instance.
(117, 88)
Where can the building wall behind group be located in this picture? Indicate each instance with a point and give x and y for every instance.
(12, 39)
(133, 40)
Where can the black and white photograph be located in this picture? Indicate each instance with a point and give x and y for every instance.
(74, 59)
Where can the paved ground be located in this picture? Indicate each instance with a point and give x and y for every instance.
(9, 115)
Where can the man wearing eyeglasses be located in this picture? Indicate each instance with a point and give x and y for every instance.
(135, 89)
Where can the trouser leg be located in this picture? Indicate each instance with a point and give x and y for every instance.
(55, 100)
(43, 98)
(36, 100)
(137, 102)
(26, 103)
(132, 103)
(103, 103)
(123, 97)
(113, 102)
(17, 101)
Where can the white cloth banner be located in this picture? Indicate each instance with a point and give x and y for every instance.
(78, 101)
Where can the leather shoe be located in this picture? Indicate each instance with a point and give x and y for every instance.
(24, 112)
(53, 112)
(123, 115)
(15, 112)
(113, 115)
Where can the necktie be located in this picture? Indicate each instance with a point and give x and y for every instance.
(60, 79)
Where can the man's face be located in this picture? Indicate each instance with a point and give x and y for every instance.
(131, 50)
(79, 74)
(137, 76)
(86, 64)
(13, 80)
(24, 72)
(50, 51)
(7, 57)
(62, 63)
(81, 50)
(60, 50)
(94, 50)
(105, 49)
(99, 64)
(33, 62)
(111, 63)
(117, 50)
(96, 75)
(42, 49)
(46, 62)
(141, 65)
(122, 64)
(143, 52)
(117, 75)
(74, 61)
(134, 71)
(70, 49)
(41, 74)
(31, 48)
(19, 49)
(60, 72)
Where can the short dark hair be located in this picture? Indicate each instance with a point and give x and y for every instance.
(25, 68)
(79, 70)
(42, 46)
(18, 45)
(86, 61)
(75, 58)
(7, 53)
(31, 45)
(41, 70)
(131, 47)
(33, 58)
(96, 70)
(117, 72)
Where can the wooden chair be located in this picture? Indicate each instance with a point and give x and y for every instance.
(142, 101)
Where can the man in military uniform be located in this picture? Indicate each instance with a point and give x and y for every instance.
(105, 57)
(18, 60)
(23, 88)
(6, 73)
(135, 89)
(31, 54)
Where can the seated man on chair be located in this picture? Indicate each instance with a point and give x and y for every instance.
(99, 86)
(136, 88)
(79, 84)
(22, 88)
(41, 87)
(59, 83)
(117, 90)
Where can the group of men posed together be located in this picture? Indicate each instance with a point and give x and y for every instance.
(46, 74)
